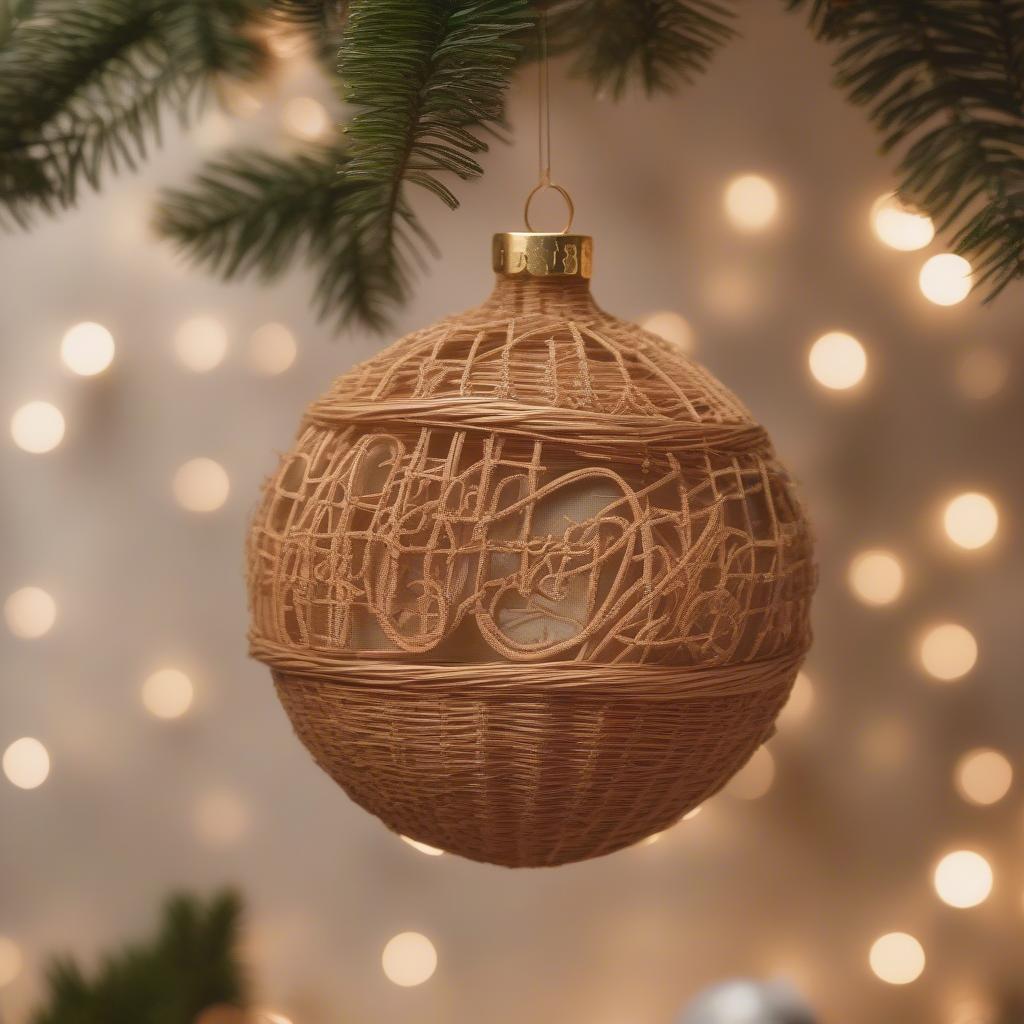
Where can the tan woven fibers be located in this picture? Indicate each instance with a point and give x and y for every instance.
(531, 582)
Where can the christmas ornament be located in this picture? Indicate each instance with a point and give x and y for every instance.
(531, 582)
(748, 1002)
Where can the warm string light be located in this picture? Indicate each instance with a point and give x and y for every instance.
(801, 699)
(837, 361)
(87, 349)
(306, 118)
(272, 349)
(948, 651)
(981, 373)
(983, 777)
(963, 879)
(37, 427)
(30, 613)
(10, 960)
(26, 763)
(897, 958)
(876, 577)
(900, 226)
(970, 520)
(409, 959)
(671, 327)
(201, 344)
(755, 778)
(751, 202)
(946, 279)
(167, 693)
(201, 485)
(430, 851)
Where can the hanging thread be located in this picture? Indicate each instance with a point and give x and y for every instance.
(544, 131)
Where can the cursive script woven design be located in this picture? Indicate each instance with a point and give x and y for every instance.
(531, 581)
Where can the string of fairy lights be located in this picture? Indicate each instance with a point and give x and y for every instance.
(837, 361)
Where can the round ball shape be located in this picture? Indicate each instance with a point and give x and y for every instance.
(748, 1002)
(531, 582)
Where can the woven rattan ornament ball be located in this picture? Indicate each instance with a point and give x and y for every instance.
(531, 582)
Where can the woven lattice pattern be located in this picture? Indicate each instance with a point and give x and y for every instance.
(531, 580)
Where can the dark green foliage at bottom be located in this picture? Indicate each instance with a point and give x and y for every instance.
(189, 966)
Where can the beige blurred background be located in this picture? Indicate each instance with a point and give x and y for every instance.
(863, 799)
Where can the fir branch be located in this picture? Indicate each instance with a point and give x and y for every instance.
(189, 966)
(252, 213)
(658, 43)
(943, 80)
(425, 78)
(82, 87)
(320, 21)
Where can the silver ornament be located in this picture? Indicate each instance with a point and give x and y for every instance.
(746, 1001)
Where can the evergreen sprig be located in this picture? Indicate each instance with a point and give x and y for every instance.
(319, 20)
(660, 44)
(425, 80)
(256, 213)
(189, 966)
(83, 87)
(943, 80)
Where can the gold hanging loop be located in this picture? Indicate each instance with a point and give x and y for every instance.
(544, 133)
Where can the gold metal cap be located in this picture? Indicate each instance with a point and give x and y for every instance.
(539, 254)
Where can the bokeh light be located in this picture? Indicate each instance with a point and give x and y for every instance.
(306, 118)
(87, 349)
(167, 693)
(946, 279)
(963, 879)
(981, 373)
(751, 202)
(237, 98)
(201, 344)
(10, 960)
(971, 520)
(876, 577)
(430, 851)
(37, 427)
(409, 959)
(30, 613)
(26, 763)
(897, 958)
(900, 226)
(801, 699)
(271, 350)
(837, 361)
(201, 485)
(221, 817)
(948, 651)
(755, 778)
(672, 327)
(983, 776)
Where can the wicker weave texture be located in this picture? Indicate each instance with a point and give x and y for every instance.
(531, 581)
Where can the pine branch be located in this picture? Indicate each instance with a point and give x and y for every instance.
(83, 86)
(943, 80)
(189, 966)
(660, 44)
(253, 213)
(423, 77)
(320, 21)
(426, 79)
